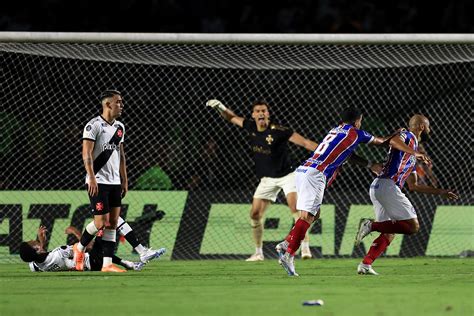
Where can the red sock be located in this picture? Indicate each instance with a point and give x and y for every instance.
(389, 227)
(297, 235)
(378, 247)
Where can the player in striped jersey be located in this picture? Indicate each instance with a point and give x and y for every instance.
(106, 180)
(394, 214)
(320, 170)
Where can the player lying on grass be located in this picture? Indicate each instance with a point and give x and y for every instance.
(394, 213)
(61, 258)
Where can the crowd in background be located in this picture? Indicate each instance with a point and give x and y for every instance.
(218, 16)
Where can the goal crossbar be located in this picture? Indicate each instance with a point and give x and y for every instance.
(235, 38)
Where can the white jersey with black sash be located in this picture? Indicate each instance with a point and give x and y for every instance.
(59, 259)
(107, 138)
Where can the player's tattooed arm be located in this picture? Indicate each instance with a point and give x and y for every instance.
(123, 171)
(87, 148)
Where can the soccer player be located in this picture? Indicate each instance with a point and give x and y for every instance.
(104, 160)
(318, 172)
(394, 214)
(61, 258)
(269, 143)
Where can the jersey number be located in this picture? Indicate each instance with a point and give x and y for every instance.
(325, 144)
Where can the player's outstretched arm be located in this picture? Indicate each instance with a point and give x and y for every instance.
(413, 185)
(42, 236)
(226, 113)
(360, 161)
(299, 140)
(398, 143)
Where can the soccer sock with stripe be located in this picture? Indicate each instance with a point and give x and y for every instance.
(296, 236)
(87, 236)
(108, 242)
(389, 227)
(126, 230)
(376, 249)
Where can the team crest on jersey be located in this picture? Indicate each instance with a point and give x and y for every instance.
(119, 133)
(99, 206)
(269, 139)
(88, 128)
(104, 124)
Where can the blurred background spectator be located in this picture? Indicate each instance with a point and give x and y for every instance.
(217, 16)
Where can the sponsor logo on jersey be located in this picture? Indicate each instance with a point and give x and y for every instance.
(109, 147)
(88, 128)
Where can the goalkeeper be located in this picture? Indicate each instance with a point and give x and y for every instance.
(269, 144)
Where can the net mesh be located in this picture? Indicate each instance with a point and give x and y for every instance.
(191, 173)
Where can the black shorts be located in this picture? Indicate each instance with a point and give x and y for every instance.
(110, 195)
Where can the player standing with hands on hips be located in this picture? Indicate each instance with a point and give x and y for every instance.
(394, 214)
(269, 144)
(104, 160)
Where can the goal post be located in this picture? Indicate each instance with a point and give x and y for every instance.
(190, 172)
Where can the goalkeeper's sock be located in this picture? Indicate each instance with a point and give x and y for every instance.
(296, 235)
(257, 232)
(389, 227)
(378, 247)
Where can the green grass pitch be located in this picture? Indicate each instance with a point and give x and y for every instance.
(420, 286)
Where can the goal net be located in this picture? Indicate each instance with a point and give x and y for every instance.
(191, 174)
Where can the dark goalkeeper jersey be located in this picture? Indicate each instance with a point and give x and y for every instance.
(270, 149)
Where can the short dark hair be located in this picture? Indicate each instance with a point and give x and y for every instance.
(260, 102)
(27, 253)
(350, 115)
(109, 93)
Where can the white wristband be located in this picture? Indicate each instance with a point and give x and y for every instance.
(369, 164)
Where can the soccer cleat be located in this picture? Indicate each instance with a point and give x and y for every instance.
(288, 263)
(78, 258)
(138, 266)
(255, 257)
(365, 227)
(363, 268)
(306, 253)
(151, 254)
(281, 249)
(112, 268)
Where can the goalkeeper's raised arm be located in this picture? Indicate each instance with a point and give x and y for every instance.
(226, 113)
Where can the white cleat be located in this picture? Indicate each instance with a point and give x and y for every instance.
(365, 227)
(255, 257)
(288, 263)
(363, 268)
(281, 250)
(151, 254)
(306, 253)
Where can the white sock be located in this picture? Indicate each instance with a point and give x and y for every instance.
(80, 247)
(107, 261)
(140, 249)
(259, 251)
(304, 244)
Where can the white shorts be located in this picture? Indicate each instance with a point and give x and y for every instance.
(310, 185)
(268, 188)
(390, 203)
